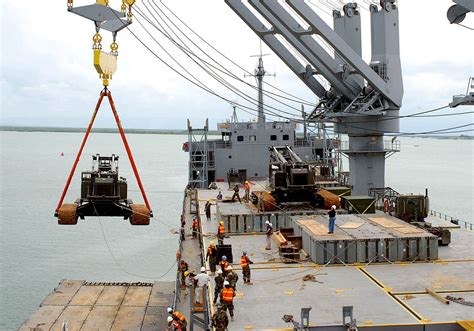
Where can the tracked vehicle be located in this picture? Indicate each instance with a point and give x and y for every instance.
(103, 193)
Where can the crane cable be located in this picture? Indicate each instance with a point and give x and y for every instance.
(243, 107)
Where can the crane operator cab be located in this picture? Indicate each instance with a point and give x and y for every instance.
(103, 193)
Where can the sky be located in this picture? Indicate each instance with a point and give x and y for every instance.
(47, 77)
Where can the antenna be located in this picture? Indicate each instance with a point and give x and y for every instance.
(259, 74)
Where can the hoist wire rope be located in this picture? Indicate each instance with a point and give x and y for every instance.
(217, 77)
(225, 71)
(214, 75)
(241, 107)
(245, 108)
(295, 98)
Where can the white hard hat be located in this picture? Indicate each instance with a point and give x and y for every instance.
(170, 310)
(267, 222)
(226, 283)
(333, 207)
(169, 319)
(229, 267)
(203, 269)
(219, 271)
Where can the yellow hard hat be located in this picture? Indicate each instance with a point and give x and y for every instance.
(211, 243)
(221, 222)
(186, 273)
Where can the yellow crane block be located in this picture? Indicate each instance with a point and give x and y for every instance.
(102, 2)
(105, 64)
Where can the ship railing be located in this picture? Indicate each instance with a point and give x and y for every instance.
(389, 146)
(454, 220)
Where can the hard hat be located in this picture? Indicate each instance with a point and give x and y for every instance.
(267, 222)
(221, 222)
(211, 243)
(244, 253)
(169, 319)
(186, 273)
(219, 271)
(270, 224)
(229, 267)
(208, 200)
(226, 283)
(333, 207)
(203, 269)
(170, 310)
(224, 258)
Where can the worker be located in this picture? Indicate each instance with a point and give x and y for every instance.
(201, 281)
(183, 267)
(269, 234)
(236, 193)
(195, 227)
(177, 316)
(260, 202)
(224, 265)
(247, 191)
(173, 324)
(245, 264)
(207, 207)
(220, 233)
(211, 255)
(232, 277)
(332, 219)
(386, 205)
(227, 299)
(182, 231)
(220, 321)
(219, 196)
(219, 284)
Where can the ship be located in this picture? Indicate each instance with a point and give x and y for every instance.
(391, 263)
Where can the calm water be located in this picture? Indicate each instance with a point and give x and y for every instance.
(36, 253)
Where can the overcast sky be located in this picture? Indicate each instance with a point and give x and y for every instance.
(47, 77)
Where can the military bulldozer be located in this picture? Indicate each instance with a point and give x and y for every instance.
(103, 194)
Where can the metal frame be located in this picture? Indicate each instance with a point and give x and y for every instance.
(198, 156)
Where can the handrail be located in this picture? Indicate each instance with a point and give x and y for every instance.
(451, 219)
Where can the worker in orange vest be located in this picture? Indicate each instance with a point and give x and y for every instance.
(212, 256)
(220, 233)
(178, 317)
(195, 227)
(227, 299)
(245, 264)
(247, 191)
(224, 265)
(173, 325)
(386, 205)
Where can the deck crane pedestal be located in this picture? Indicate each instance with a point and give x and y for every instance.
(110, 198)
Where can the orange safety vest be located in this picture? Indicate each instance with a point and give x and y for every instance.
(247, 187)
(228, 294)
(179, 316)
(224, 265)
(221, 229)
(243, 261)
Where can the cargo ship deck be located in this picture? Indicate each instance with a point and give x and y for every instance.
(384, 294)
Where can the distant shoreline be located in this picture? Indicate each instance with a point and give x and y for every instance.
(95, 130)
(165, 131)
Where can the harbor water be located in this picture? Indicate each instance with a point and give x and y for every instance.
(36, 253)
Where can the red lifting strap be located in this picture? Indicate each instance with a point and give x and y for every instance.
(104, 93)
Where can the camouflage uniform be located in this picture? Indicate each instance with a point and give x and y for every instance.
(220, 320)
(219, 279)
(232, 277)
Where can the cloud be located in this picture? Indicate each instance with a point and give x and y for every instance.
(47, 78)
